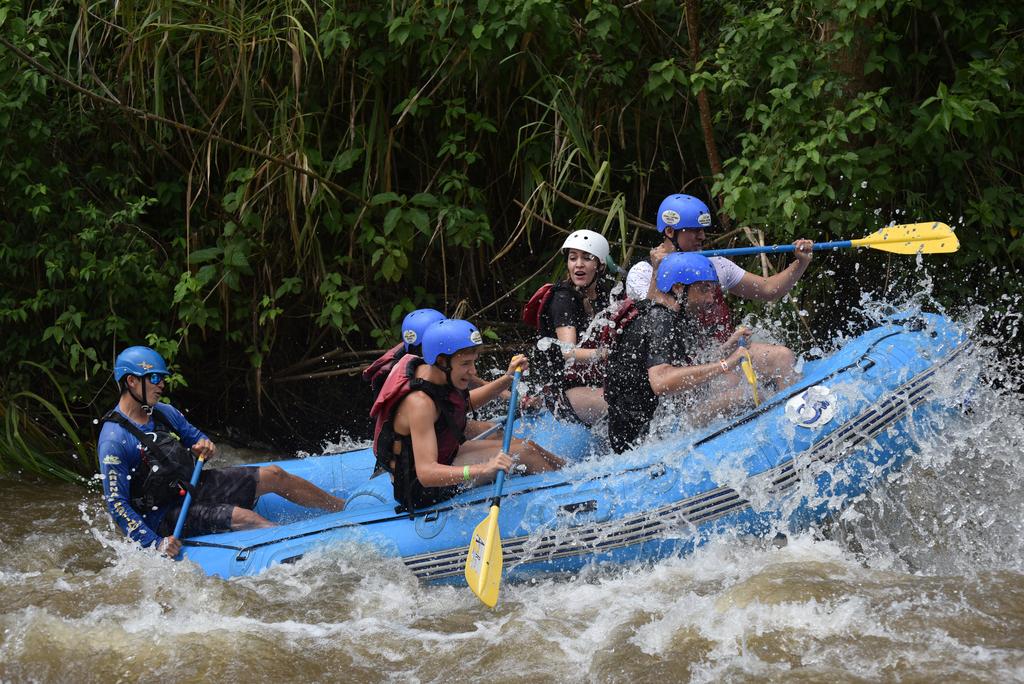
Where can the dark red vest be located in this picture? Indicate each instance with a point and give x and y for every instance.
(717, 322)
(452, 407)
(377, 372)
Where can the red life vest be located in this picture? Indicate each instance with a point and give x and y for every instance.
(717, 321)
(623, 316)
(377, 372)
(538, 302)
(449, 428)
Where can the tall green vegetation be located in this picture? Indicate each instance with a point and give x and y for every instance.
(246, 185)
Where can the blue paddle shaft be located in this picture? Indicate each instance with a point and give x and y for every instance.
(499, 481)
(180, 525)
(774, 249)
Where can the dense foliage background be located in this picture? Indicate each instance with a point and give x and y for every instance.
(260, 190)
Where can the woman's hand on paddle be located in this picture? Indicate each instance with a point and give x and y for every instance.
(204, 449)
(733, 361)
(500, 461)
(520, 362)
(170, 546)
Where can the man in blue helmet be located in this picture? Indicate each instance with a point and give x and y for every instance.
(659, 352)
(146, 453)
(414, 325)
(682, 220)
(421, 420)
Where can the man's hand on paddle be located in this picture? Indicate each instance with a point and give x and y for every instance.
(659, 253)
(204, 449)
(804, 251)
(169, 546)
(741, 332)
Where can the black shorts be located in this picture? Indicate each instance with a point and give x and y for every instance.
(217, 494)
(428, 496)
(627, 428)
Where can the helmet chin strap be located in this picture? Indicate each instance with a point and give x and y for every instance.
(144, 402)
(675, 239)
(447, 368)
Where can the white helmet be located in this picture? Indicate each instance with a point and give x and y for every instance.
(588, 241)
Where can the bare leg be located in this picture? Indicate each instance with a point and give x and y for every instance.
(774, 362)
(588, 403)
(536, 458)
(244, 519)
(275, 480)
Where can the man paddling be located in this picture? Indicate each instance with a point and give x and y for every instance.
(146, 454)
(682, 220)
(661, 352)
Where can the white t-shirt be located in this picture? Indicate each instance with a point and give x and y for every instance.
(638, 280)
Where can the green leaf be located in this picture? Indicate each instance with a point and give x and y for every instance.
(384, 198)
(346, 160)
(200, 256)
(420, 219)
(391, 220)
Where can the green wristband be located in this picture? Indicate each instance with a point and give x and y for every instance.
(465, 473)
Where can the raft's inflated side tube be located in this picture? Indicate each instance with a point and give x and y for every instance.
(751, 474)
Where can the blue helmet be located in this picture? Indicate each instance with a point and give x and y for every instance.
(139, 361)
(686, 268)
(683, 212)
(416, 323)
(449, 336)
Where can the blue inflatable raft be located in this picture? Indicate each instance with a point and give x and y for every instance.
(803, 455)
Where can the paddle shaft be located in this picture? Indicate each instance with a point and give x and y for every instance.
(775, 249)
(180, 525)
(499, 481)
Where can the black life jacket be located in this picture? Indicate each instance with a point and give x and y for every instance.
(166, 470)
(449, 428)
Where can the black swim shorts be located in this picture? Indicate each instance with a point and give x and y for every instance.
(218, 493)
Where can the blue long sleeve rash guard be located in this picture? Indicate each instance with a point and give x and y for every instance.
(119, 456)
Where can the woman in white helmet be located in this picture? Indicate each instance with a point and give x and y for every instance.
(570, 363)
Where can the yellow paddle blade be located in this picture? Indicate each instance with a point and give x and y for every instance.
(748, 372)
(483, 562)
(913, 238)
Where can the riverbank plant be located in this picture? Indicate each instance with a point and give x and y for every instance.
(254, 186)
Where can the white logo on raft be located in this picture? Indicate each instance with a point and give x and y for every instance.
(669, 217)
(704, 220)
(475, 337)
(812, 408)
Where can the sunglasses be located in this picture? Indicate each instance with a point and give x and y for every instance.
(154, 378)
